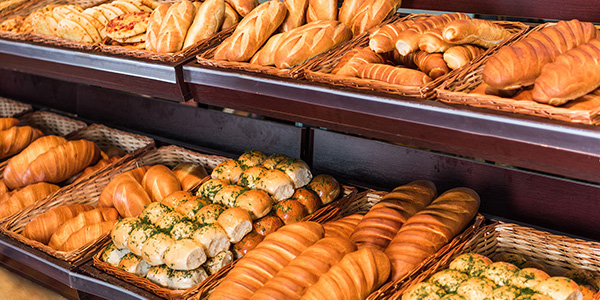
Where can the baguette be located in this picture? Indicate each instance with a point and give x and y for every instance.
(343, 227)
(572, 75)
(432, 41)
(153, 29)
(384, 219)
(243, 7)
(87, 234)
(24, 197)
(310, 40)
(431, 228)
(6, 123)
(351, 62)
(64, 231)
(207, 21)
(159, 182)
(252, 32)
(348, 10)
(321, 10)
(14, 139)
(482, 33)
(230, 17)
(371, 13)
(521, 63)
(174, 27)
(43, 226)
(384, 38)
(408, 40)
(458, 56)
(106, 197)
(394, 75)
(297, 14)
(189, 175)
(266, 55)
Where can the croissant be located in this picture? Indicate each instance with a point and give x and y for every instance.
(460, 55)
(521, 63)
(473, 31)
(408, 40)
(16, 138)
(24, 197)
(6, 123)
(384, 38)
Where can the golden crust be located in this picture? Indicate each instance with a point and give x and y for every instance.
(12, 24)
(87, 23)
(127, 25)
(70, 30)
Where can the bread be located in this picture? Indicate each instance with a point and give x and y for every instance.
(430, 229)
(229, 171)
(236, 222)
(166, 221)
(106, 197)
(521, 63)
(159, 275)
(309, 40)
(269, 257)
(189, 207)
(215, 263)
(482, 33)
(249, 242)
(348, 10)
(183, 230)
(208, 20)
(308, 198)
(73, 31)
(93, 169)
(250, 176)
(213, 238)
(182, 280)
(209, 213)
(448, 279)
(458, 56)
(354, 277)
(321, 10)
(559, 288)
(184, 254)
(153, 29)
(230, 17)
(138, 236)
(342, 227)
(159, 181)
(252, 32)
(271, 161)
(394, 75)
(113, 255)
(122, 230)
(127, 25)
(25, 197)
(425, 289)
(256, 202)
(43, 226)
(290, 211)
(189, 175)
(174, 27)
(432, 64)
(129, 197)
(3, 188)
(297, 13)
(408, 40)
(275, 182)
(471, 264)
(154, 248)
(371, 13)
(306, 269)
(87, 234)
(243, 7)
(64, 231)
(267, 225)
(227, 195)
(266, 55)
(351, 62)
(475, 288)
(209, 188)
(572, 75)
(326, 187)
(528, 278)
(18, 164)
(14, 139)
(6, 123)
(432, 41)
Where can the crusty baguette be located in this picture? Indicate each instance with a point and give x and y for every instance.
(384, 219)
(348, 10)
(153, 29)
(431, 228)
(87, 234)
(252, 32)
(266, 55)
(394, 75)
(354, 277)
(384, 38)
(371, 13)
(350, 63)
(296, 16)
(208, 20)
(24, 197)
(321, 10)
(269, 257)
(433, 41)
(460, 55)
(64, 231)
(174, 27)
(310, 40)
(14, 139)
(408, 40)
(482, 33)
(305, 270)
(230, 17)
(342, 227)
(243, 7)
(521, 63)
(572, 75)
(43, 226)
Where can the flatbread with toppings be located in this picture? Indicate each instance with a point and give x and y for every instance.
(127, 25)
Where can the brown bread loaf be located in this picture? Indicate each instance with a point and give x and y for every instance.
(408, 40)
(24, 197)
(159, 181)
(431, 228)
(432, 41)
(64, 231)
(296, 16)
(189, 174)
(351, 62)
(207, 21)
(174, 27)
(153, 29)
(384, 39)
(482, 33)
(267, 259)
(87, 234)
(384, 219)
(106, 197)
(249, 242)
(43, 226)
(310, 40)
(521, 63)
(321, 10)
(342, 227)
(371, 13)
(572, 75)
(460, 55)
(394, 75)
(305, 270)
(354, 277)
(16, 138)
(6, 123)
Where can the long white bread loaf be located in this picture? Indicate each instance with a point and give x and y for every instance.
(371, 13)
(174, 27)
(321, 10)
(348, 10)
(296, 16)
(243, 7)
(208, 20)
(266, 55)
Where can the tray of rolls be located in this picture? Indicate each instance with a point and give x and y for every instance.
(175, 246)
(549, 73)
(12, 109)
(278, 38)
(376, 238)
(412, 55)
(510, 261)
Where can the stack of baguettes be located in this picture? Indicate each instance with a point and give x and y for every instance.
(351, 257)
(286, 34)
(413, 52)
(560, 61)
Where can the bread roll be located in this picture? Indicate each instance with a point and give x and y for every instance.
(458, 56)
(113, 255)
(432, 41)
(227, 195)
(308, 198)
(87, 234)
(159, 275)
(408, 40)
(250, 176)
(183, 280)
(528, 278)
(306, 269)
(269, 257)
(3, 187)
(271, 161)
(134, 265)
(174, 27)
(190, 207)
(121, 231)
(168, 220)
(432, 64)
(321, 10)
(354, 277)
(153, 212)
(559, 288)
(209, 213)
(215, 263)
(500, 272)
(267, 225)
(174, 199)
(153, 29)
(394, 75)
(210, 188)
(213, 238)
(230, 17)
(138, 236)
(249, 242)
(106, 197)
(448, 279)
(275, 182)
(43, 226)
(290, 211)
(154, 248)
(309, 40)
(482, 33)
(29, 195)
(371, 13)
(90, 217)
(228, 171)
(326, 187)
(236, 222)
(342, 227)
(256, 202)
(130, 198)
(159, 181)
(208, 20)
(351, 62)
(93, 169)
(184, 254)
(189, 174)
(6, 123)
(476, 288)
(423, 290)
(384, 38)
(13, 140)
(251, 158)
(470, 263)
(183, 230)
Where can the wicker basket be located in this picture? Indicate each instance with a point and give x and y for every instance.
(557, 253)
(320, 70)
(457, 90)
(12, 109)
(88, 193)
